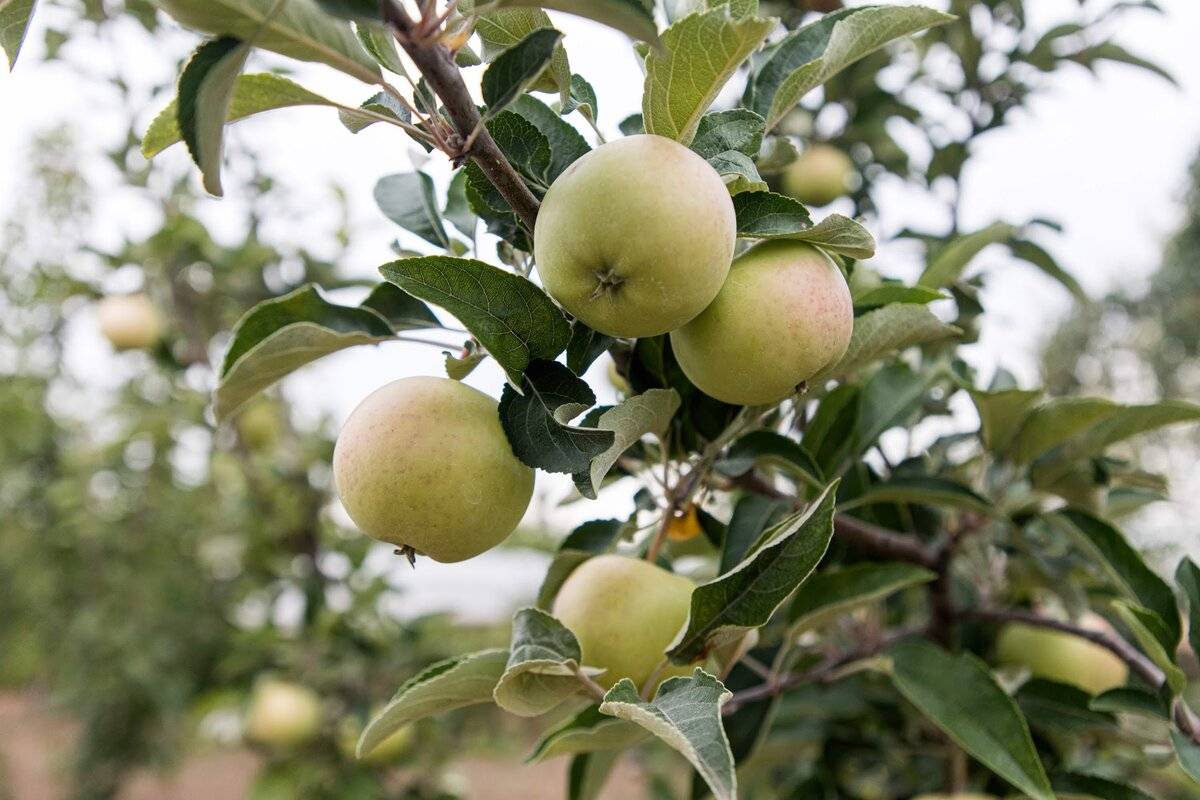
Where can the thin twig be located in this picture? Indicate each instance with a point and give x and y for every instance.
(594, 689)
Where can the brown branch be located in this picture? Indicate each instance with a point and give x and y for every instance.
(437, 65)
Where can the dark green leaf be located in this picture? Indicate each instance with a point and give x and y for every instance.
(923, 490)
(1128, 700)
(1095, 786)
(399, 308)
(536, 421)
(205, 92)
(767, 214)
(564, 141)
(587, 732)
(738, 130)
(1187, 577)
(772, 449)
(631, 17)
(407, 199)
(585, 347)
(829, 595)
(543, 659)
(510, 316)
(514, 71)
(752, 515)
(14, 23)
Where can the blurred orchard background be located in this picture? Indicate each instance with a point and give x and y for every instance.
(154, 570)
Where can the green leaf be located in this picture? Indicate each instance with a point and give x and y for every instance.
(953, 259)
(407, 199)
(1038, 256)
(773, 449)
(298, 29)
(883, 333)
(959, 695)
(1059, 707)
(586, 732)
(685, 714)
(252, 94)
(813, 54)
(925, 490)
(1187, 577)
(205, 91)
(1111, 51)
(280, 335)
(1056, 421)
(460, 366)
(360, 10)
(635, 417)
(841, 235)
(1128, 700)
(503, 28)
(458, 210)
(14, 24)
(510, 316)
(1079, 785)
(1110, 424)
(829, 595)
(399, 308)
(752, 514)
(630, 17)
(738, 172)
(376, 108)
(514, 71)
(526, 148)
(536, 421)
(585, 347)
(738, 130)
(699, 53)
(564, 141)
(453, 683)
(895, 293)
(1188, 753)
(1125, 567)
(1001, 414)
(746, 597)
(542, 664)
(1147, 628)
(582, 99)
(564, 563)
(588, 773)
(380, 44)
(767, 214)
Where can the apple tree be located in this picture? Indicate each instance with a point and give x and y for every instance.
(795, 606)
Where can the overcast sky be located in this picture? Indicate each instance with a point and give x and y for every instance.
(1106, 155)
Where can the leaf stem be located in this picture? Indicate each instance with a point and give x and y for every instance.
(594, 689)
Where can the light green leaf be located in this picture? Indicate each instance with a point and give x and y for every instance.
(298, 29)
(738, 172)
(542, 664)
(407, 199)
(379, 107)
(453, 683)
(205, 91)
(685, 714)
(514, 71)
(458, 210)
(582, 99)
(953, 259)
(746, 596)
(14, 23)
(1038, 256)
(884, 332)
(923, 490)
(1056, 421)
(586, 732)
(631, 17)
(635, 417)
(813, 54)
(280, 335)
(959, 695)
(841, 235)
(1125, 567)
(510, 316)
(1146, 627)
(1111, 424)
(379, 42)
(829, 595)
(1002, 413)
(895, 293)
(698, 54)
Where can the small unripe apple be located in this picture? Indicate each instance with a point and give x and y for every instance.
(1062, 657)
(423, 463)
(260, 424)
(625, 612)
(130, 321)
(282, 714)
(635, 238)
(819, 175)
(783, 315)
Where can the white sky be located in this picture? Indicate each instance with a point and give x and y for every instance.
(1104, 155)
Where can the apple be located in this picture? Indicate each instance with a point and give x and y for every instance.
(260, 424)
(389, 751)
(820, 175)
(423, 463)
(625, 612)
(783, 315)
(282, 714)
(1063, 657)
(636, 237)
(130, 321)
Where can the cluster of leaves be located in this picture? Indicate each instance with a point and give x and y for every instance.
(852, 600)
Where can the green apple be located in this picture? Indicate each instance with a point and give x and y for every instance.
(260, 424)
(635, 238)
(625, 612)
(282, 714)
(820, 175)
(783, 315)
(1063, 657)
(129, 322)
(423, 463)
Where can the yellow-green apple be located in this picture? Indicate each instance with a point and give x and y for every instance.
(423, 463)
(1061, 656)
(129, 321)
(635, 238)
(783, 315)
(282, 714)
(820, 175)
(625, 612)
(260, 424)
